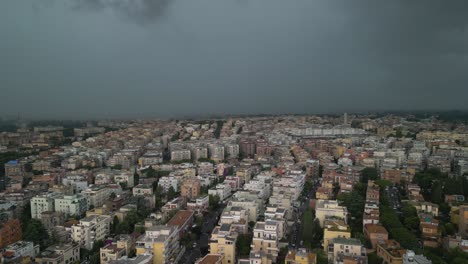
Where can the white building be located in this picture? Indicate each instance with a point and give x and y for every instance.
(75, 205)
(167, 182)
(91, 229)
(42, 203)
(222, 190)
(125, 177)
(329, 208)
(21, 249)
(97, 195)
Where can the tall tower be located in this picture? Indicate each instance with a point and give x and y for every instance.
(345, 118)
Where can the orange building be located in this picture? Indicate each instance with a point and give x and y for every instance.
(190, 189)
(392, 175)
(10, 232)
(376, 234)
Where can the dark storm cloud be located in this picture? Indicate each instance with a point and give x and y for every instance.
(141, 11)
(79, 58)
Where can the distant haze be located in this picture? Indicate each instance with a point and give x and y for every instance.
(165, 58)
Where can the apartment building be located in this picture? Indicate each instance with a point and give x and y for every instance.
(181, 154)
(251, 207)
(199, 204)
(265, 238)
(167, 182)
(150, 158)
(346, 250)
(42, 203)
(125, 177)
(10, 232)
(211, 259)
(463, 221)
(182, 221)
(328, 209)
(334, 229)
(52, 219)
(376, 234)
(391, 252)
(205, 168)
(190, 188)
(59, 254)
(71, 205)
(97, 195)
(91, 229)
(300, 256)
(142, 190)
(216, 152)
(162, 242)
(20, 249)
(223, 242)
(223, 190)
(111, 252)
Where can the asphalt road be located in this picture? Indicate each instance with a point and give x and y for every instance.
(393, 197)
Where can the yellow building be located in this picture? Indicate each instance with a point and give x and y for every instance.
(223, 242)
(301, 256)
(162, 242)
(97, 211)
(333, 229)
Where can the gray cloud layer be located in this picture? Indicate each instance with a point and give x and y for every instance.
(110, 58)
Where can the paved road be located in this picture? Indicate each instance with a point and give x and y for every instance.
(393, 197)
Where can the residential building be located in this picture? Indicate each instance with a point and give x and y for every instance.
(71, 205)
(10, 232)
(463, 221)
(300, 256)
(52, 219)
(167, 182)
(111, 252)
(223, 190)
(20, 249)
(223, 242)
(182, 220)
(211, 259)
(91, 229)
(329, 208)
(391, 252)
(162, 242)
(334, 228)
(265, 237)
(347, 250)
(377, 234)
(59, 254)
(42, 203)
(199, 204)
(97, 195)
(190, 188)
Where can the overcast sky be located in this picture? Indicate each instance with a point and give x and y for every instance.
(164, 58)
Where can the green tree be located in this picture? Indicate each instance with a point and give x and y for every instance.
(36, 233)
(436, 192)
(214, 201)
(171, 193)
(311, 231)
(321, 256)
(243, 244)
(369, 174)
